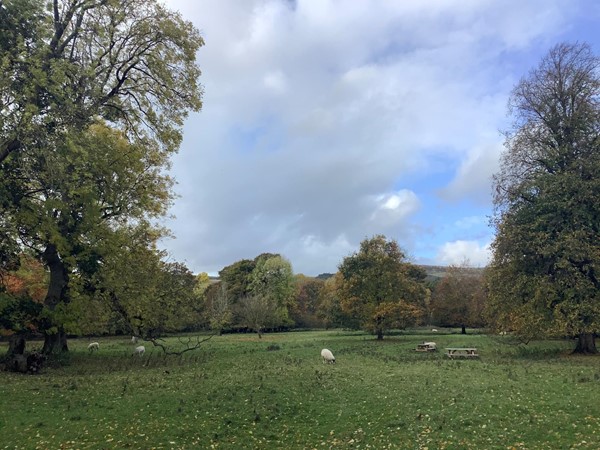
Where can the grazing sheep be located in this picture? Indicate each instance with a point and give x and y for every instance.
(327, 356)
(134, 339)
(139, 350)
(93, 346)
(434, 330)
(503, 333)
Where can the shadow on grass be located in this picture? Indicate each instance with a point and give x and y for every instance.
(83, 364)
(537, 353)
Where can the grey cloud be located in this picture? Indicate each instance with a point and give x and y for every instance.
(313, 112)
(474, 176)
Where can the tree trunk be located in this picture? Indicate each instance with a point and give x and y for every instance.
(379, 334)
(16, 345)
(55, 343)
(586, 344)
(463, 330)
(58, 277)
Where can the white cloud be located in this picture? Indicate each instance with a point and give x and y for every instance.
(461, 252)
(394, 207)
(276, 81)
(318, 253)
(325, 122)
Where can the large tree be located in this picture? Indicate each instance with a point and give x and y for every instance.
(544, 275)
(92, 101)
(66, 206)
(380, 288)
(237, 277)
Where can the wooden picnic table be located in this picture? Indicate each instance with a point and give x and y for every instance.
(426, 347)
(455, 352)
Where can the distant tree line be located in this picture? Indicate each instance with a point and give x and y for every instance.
(376, 289)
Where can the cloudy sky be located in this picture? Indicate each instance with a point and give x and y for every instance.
(328, 121)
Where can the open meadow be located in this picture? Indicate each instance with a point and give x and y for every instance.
(241, 392)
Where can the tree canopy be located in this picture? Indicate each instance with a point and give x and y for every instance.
(307, 305)
(145, 295)
(273, 279)
(131, 62)
(544, 275)
(68, 203)
(253, 293)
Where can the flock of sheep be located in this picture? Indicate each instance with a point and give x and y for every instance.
(139, 350)
(326, 354)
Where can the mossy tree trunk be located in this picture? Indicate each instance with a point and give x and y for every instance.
(16, 345)
(586, 344)
(55, 341)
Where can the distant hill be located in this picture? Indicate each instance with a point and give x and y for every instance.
(324, 276)
(435, 273)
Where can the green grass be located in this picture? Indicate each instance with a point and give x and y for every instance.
(234, 393)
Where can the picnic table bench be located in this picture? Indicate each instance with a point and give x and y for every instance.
(426, 347)
(462, 353)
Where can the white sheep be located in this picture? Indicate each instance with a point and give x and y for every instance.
(134, 339)
(139, 350)
(93, 346)
(434, 330)
(327, 356)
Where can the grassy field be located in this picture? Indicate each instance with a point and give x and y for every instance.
(241, 392)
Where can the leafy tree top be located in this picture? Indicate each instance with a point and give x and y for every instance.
(131, 62)
(378, 272)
